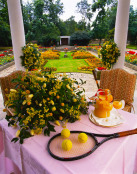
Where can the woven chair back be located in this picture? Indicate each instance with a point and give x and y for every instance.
(120, 82)
(7, 84)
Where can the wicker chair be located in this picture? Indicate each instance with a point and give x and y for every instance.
(6, 83)
(121, 84)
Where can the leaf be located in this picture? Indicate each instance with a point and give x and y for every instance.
(47, 132)
(14, 140)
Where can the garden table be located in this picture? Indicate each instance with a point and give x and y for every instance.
(117, 156)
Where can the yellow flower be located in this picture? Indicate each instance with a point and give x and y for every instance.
(28, 103)
(57, 96)
(62, 104)
(68, 86)
(28, 91)
(17, 133)
(57, 122)
(13, 90)
(32, 132)
(74, 100)
(62, 110)
(24, 102)
(50, 93)
(30, 96)
(44, 85)
(54, 108)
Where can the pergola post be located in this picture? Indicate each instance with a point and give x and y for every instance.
(121, 30)
(17, 30)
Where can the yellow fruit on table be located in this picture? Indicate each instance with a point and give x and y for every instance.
(65, 133)
(66, 145)
(117, 104)
(82, 137)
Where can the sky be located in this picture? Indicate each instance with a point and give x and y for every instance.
(70, 8)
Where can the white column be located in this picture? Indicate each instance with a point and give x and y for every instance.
(17, 30)
(121, 30)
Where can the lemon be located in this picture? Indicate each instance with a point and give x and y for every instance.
(65, 133)
(117, 104)
(66, 145)
(82, 137)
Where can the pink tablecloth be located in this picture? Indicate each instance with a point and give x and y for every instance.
(117, 156)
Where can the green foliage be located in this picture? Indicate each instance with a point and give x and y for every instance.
(41, 99)
(132, 32)
(80, 38)
(5, 37)
(85, 10)
(31, 57)
(109, 53)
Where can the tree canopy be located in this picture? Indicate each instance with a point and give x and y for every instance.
(42, 22)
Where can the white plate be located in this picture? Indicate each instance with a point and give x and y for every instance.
(115, 119)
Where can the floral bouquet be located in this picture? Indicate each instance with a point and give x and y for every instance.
(42, 98)
(31, 58)
(109, 53)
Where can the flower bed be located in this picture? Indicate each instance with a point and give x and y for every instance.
(131, 52)
(82, 55)
(43, 98)
(5, 59)
(93, 48)
(131, 58)
(50, 55)
(93, 63)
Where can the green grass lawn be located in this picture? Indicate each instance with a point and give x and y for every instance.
(67, 64)
(132, 47)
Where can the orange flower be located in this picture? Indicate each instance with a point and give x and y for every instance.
(28, 103)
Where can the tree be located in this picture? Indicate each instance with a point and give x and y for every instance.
(53, 9)
(80, 38)
(100, 29)
(5, 36)
(132, 30)
(85, 10)
(105, 19)
(71, 25)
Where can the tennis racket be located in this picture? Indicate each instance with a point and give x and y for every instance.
(80, 150)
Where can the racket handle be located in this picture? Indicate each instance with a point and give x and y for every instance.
(126, 133)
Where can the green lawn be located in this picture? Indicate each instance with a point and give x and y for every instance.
(132, 47)
(67, 64)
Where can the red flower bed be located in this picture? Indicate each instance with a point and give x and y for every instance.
(101, 68)
(1, 55)
(131, 52)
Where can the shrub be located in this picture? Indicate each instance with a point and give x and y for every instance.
(109, 53)
(49, 40)
(80, 38)
(41, 99)
(31, 57)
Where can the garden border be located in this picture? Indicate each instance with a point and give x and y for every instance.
(6, 65)
(129, 65)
